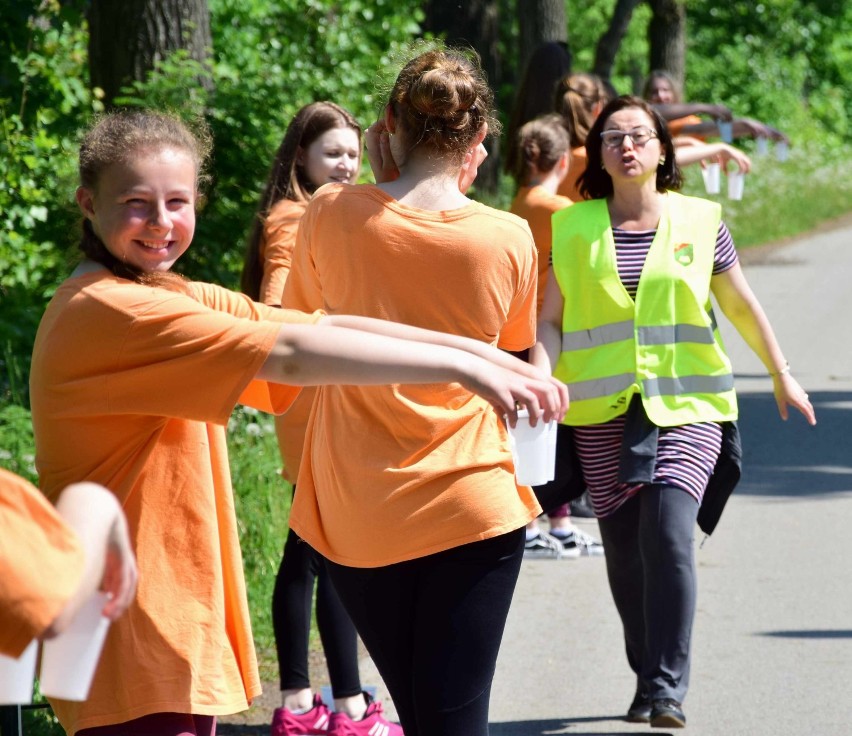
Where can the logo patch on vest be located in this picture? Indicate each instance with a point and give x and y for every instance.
(683, 253)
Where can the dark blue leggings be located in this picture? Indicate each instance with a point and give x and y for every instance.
(433, 627)
(292, 601)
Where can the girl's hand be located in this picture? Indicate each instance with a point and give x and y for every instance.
(377, 141)
(544, 397)
(789, 392)
(729, 153)
(120, 572)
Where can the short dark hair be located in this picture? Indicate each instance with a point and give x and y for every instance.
(595, 182)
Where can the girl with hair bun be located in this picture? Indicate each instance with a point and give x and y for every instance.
(544, 157)
(409, 491)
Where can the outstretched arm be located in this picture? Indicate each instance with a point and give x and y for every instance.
(418, 334)
(328, 353)
(740, 305)
(675, 110)
(721, 152)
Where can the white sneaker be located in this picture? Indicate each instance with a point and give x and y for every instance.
(577, 542)
(544, 545)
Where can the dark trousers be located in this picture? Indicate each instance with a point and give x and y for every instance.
(292, 601)
(433, 627)
(650, 561)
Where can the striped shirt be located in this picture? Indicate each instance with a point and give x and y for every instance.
(686, 455)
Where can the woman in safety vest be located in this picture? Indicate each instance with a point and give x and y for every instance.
(651, 387)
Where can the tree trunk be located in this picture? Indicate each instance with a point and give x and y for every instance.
(127, 37)
(540, 21)
(667, 37)
(472, 23)
(609, 42)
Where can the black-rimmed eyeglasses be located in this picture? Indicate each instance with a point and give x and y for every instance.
(639, 136)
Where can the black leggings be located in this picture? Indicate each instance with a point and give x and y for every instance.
(292, 601)
(433, 627)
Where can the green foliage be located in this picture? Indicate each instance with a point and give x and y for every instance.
(588, 21)
(43, 98)
(17, 446)
(788, 63)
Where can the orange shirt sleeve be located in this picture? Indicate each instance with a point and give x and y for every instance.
(268, 397)
(41, 562)
(303, 289)
(676, 126)
(570, 184)
(279, 239)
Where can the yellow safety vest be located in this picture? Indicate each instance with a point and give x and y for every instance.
(665, 345)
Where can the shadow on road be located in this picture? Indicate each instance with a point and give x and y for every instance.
(560, 726)
(811, 634)
(791, 458)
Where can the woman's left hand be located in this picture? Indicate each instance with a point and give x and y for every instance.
(788, 392)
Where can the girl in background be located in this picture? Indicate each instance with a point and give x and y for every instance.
(579, 99)
(322, 144)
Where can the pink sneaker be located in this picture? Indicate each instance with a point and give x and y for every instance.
(315, 721)
(373, 723)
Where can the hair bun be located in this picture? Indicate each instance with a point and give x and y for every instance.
(445, 93)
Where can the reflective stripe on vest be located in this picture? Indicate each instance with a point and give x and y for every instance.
(605, 334)
(665, 344)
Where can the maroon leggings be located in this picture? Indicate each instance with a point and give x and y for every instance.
(158, 724)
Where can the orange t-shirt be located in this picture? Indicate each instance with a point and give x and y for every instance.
(568, 187)
(132, 387)
(276, 248)
(536, 205)
(279, 239)
(392, 473)
(41, 563)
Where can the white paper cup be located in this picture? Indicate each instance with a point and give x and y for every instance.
(533, 450)
(782, 151)
(762, 145)
(69, 661)
(17, 676)
(736, 182)
(712, 175)
(726, 130)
